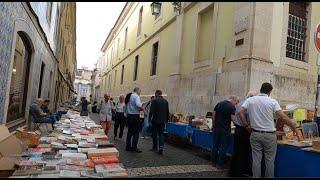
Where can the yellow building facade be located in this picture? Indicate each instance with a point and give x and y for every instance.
(210, 50)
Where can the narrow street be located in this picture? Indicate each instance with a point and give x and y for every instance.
(175, 162)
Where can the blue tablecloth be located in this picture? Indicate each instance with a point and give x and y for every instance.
(182, 130)
(290, 161)
(295, 162)
(204, 139)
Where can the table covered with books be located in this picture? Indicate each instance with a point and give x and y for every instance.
(293, 159)
(77, 147)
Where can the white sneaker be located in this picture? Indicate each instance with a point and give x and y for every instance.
(142, 137)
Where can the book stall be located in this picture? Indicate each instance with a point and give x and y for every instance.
(195, 130)
(77, 147)
(293, 159)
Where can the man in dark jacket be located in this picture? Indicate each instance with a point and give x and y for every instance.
(158, 115)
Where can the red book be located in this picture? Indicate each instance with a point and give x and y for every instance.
(102, 138)
(105, 160)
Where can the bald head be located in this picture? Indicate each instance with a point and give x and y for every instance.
(234, 99)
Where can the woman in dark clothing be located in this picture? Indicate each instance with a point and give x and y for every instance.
(119, 118)
(84, 107)
(94, 107)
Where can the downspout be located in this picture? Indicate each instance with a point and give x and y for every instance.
(251, 45)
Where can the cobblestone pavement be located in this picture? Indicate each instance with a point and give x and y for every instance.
(175, 161)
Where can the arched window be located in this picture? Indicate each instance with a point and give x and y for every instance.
(20, 78)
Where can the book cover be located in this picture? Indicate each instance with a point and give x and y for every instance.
(105, 160)
(69, 174)
(103, 152)
(104, 143)
(74, 156)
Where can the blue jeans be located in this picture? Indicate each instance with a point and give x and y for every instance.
(221, 141)
(145, 126)
(157, 135)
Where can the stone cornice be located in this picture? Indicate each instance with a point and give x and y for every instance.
(122, 15)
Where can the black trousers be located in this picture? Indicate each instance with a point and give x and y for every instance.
(157, 135)
(241, 163)
(119, 121)
(133, 131)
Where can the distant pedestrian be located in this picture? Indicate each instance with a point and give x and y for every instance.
(146, 121)
(159, 116)
(113, 109)
(133, 108)
(105, 113)
(224, 113)
(263, 139)
(94, 107)
(119, 117)
(84, 107)
(241, 159)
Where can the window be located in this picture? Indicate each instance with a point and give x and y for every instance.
(140, 21)
(205, 34)
(118, 48)
(40, 80)
(49, 12)
(136, 62)
(154, 59)
(125, 39)
(122, 72)
(297, 28)
(115, 78)
(159, 14)
(19, 79)
(109, 83)
(50, 82)
(111, 55)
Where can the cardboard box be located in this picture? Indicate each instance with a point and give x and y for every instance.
(29, 137)
(316, 144)
(9, 145)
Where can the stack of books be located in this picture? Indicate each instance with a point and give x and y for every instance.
(76, 148)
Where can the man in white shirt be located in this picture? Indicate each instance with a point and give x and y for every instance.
(133, 109)
(106, 113)
(263, 139)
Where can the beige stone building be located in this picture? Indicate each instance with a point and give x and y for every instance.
(36, 38)
(83, 84)
(210, 50)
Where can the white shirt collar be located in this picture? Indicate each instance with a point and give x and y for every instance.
(262, 94)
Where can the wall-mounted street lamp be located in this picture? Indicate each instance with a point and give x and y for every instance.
(155, 8)
(176, 6)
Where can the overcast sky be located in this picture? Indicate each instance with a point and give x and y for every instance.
(94, 22)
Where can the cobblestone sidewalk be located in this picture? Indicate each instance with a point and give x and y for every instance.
(175, 162)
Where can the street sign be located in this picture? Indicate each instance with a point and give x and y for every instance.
(317, 37)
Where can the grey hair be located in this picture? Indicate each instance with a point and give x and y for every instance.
(136, 89)
(234, 97)
(252, 93)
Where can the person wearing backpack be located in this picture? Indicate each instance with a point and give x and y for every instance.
(133, 108)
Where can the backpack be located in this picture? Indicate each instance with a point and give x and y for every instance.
(127, 99)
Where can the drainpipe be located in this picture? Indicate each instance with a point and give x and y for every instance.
(253, 8)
